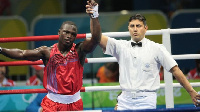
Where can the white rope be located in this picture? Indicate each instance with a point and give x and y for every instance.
(177, 85)
(116, 88)
(113, 59)
(102, 60)
(112, 34)
(186, 56)
(102, 88)
(150, 32)
(184, 30)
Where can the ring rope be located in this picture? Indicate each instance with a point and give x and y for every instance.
(28, 91)
(93, 60)
(151, 32)
(23, 91)
(36, 38)
(111, 34)
(86, 89)
(19, 63)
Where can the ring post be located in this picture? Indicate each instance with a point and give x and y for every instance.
(169, 97)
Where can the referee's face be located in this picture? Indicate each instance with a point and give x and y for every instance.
(137, 30)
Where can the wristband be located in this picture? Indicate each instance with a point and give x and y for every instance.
(95, 11)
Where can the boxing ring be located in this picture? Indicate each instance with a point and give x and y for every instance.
(168, 85)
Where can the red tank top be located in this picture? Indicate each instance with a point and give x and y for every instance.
(63, 75)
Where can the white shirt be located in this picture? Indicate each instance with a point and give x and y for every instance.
(139, 66)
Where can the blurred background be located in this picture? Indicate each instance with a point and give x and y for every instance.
(19, 18)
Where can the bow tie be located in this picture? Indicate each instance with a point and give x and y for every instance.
(139, 44)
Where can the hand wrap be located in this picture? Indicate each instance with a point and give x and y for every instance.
(95, 11)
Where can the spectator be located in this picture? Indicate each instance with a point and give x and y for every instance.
(38, 77)
(4, 71)
(109, 72)
(35, 105)
(195, 73)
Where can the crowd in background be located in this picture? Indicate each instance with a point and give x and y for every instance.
(77, 6)
(166, 6)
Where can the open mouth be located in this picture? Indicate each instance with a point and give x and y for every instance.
(67, 41)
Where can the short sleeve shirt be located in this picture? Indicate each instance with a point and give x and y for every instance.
(139, 66)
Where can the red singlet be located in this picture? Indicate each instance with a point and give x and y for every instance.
(63, 75)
